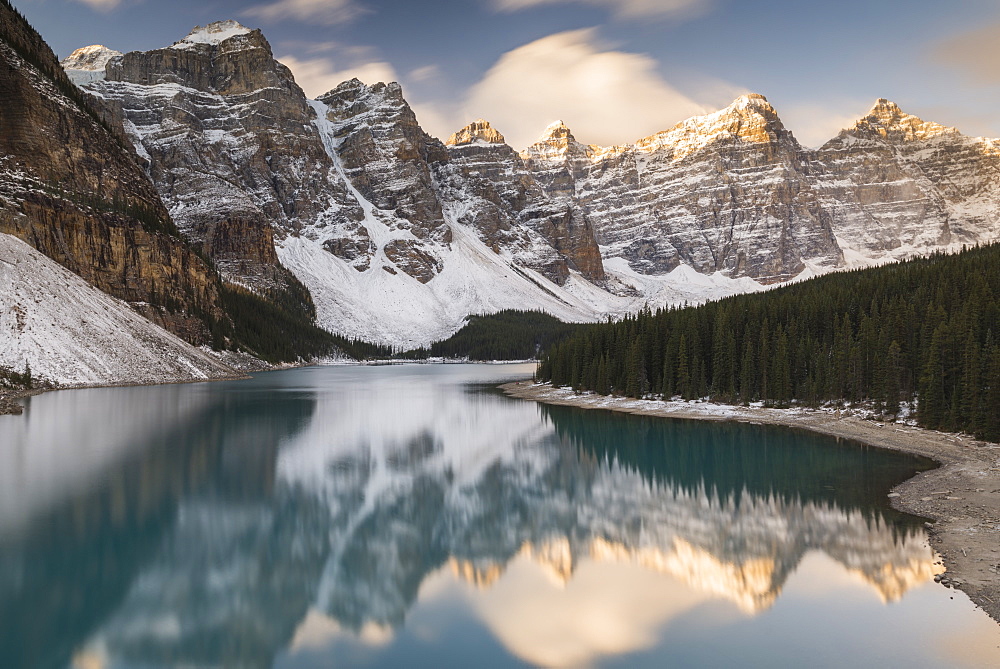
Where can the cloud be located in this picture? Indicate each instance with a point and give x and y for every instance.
(101, 5)
(606, 97)
(425, 73)
(627, 9)
(328, 12)
(319, 75)
(977, 52)
(815, 124)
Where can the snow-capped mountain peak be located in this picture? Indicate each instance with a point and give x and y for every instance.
(750, 118)
(88, 63)
(887, 121)
(754, 101)
(555, 144)
(214, 33)
(479, 130)
(556, 130)
(93, 57)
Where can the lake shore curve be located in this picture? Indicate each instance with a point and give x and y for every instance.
(961, 496)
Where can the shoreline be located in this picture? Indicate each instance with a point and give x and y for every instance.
(10, 399)
(961, 496)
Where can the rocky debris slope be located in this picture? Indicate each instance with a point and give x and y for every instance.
(69, 333)
(73, 190)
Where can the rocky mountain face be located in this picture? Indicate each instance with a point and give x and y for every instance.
(511, 205)
(727, 192)
(226, 134)
(897, 185)
(72, 189)
(399, 236)
(734, 192)
(252, 172)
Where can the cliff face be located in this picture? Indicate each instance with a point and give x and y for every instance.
(392, 231)
(725, 192)
(504, 201)
(241, 158)
(898, 185)
(734, 192)
(72, 190)
(228, 138)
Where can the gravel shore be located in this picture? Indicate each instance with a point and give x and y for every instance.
(961, 497)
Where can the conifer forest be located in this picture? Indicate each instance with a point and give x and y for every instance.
(916, 335)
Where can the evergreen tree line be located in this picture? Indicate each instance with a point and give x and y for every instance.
(506, 335)
(11, 378)
(924, 332)
(267, 328)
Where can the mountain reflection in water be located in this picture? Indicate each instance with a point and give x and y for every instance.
(326, 503)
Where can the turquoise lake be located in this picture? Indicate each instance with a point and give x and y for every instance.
(413, 516)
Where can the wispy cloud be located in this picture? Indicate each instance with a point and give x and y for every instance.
(976, 52)
(101, 5)
(629, 9)
(320, 75)
(425, 73)
(328, 12)
(605, 96)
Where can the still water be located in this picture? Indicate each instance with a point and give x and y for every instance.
(411, 516)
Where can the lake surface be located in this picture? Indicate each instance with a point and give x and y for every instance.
(411, 516)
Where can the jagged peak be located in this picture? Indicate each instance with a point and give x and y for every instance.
(887, 121)
(555, 143)
(754, 101)
(213, 33)
(479, 130)
(94, 57)
(556, 130)
(750, 117)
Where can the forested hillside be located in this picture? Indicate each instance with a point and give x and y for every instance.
(923, 331)
(505, 335)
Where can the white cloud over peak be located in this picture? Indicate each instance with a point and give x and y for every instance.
(323, 11)
(606, 97)
(317, 76)
(629, 9)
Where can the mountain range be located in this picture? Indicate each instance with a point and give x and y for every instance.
(398, 236)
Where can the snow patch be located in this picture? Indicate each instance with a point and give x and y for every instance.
(72, 334)
(213, 33)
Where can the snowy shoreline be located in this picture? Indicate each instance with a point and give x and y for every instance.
(961, 495)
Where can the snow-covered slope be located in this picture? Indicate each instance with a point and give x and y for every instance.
(71, 333)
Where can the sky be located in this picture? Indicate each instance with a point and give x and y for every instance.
(613, 70)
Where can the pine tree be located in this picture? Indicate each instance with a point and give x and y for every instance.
(684, 386)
